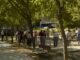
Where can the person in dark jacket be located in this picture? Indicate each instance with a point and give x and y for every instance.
(34, 39)
(2, 34)
(20, 36)
(42, 35)
(29, 39)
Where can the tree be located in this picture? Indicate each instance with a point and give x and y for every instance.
(62, 16)
(34, 10)
(60, 19)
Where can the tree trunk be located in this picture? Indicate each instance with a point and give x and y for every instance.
(65, 53)
(60, 19)
(31, 30)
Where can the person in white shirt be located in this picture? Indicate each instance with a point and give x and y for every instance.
(78, 36)
(55, 38)
(68, 36)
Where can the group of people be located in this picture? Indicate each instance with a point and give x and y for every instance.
(43, 37)
(73, 35)
(23, 36)
(31, 41)
(70, 35)
(77, 32)
(26, 37)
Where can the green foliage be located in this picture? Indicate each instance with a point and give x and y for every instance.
(17, 12)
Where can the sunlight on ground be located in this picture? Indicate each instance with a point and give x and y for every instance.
(5, 45)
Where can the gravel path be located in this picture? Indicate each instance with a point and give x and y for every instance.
(9, 53)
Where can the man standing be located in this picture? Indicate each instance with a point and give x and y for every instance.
(34, 39)
(69, 37)
(55, 38)
(20, 36)
(78, 36)
(2, 34)
(29, 39)
(42, 35)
